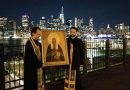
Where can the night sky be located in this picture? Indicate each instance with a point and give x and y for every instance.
(103, 11)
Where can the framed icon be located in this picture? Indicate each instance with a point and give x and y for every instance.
(54, 48)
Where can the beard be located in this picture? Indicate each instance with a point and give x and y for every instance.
(72, 35)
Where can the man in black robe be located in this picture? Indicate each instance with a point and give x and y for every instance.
(77, 55)
(32, 60)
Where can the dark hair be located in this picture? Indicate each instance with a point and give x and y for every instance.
(74, 28)
(34, 30)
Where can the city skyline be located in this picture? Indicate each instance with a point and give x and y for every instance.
(103, 11)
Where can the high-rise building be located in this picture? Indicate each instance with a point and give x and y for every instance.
(12, 28)
(3, 22)
(91, 24)
(68, 25)
(121, 29)
(42, 23)
(62, 15)
(25, 22)
(108, 31)
(80, 22)
(3, 26)
(54, 23)
(76, 22)
(85, 28)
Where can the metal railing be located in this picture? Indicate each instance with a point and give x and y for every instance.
(13, 66)
(99, 54)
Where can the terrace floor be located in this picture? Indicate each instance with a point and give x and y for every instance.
(112, 78)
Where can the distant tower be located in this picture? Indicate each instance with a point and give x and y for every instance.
(91, 24)
(76, 22)
(12, 28)
(3, 22)
(25, 22)
(52, 16)
(62, 15)
(42, 23)
(3, 26)
(79, 22)
(108, 26)
(32, 23)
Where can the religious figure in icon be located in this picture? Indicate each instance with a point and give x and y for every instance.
(54, 50)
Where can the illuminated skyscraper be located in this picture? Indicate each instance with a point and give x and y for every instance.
(62, 16)
(76, 22)
(108, 26)
(12, 28)
(25, 22)
(56, 23)
(91, 24)
(3, 26)
(121, 29)
(3, 22)
(42, 23)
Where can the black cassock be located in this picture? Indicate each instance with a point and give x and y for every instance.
(31, 64)
(78, 57)
(78, 52)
